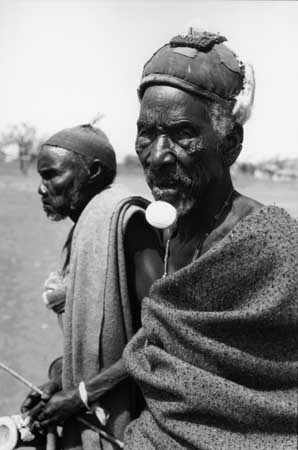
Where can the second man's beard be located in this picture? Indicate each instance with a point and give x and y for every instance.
(62, 206)
(55, 209)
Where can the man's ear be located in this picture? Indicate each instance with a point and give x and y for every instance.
(95, 169)
(233, 145)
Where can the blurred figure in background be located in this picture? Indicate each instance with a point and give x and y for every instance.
(98, 293)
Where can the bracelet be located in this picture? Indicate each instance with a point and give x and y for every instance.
(84, 394)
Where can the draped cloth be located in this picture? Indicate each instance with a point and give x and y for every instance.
(98, 318)
(217, 355)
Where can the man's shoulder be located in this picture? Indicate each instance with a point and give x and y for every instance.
(105, 210)
(104, 204)
(269, 224)
(261, 215)
(274, 217)
(107, 199)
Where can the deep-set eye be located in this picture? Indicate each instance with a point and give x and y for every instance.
(145, 132)
(141, 142)
(145, 137)
(48, 174)
(183, 133)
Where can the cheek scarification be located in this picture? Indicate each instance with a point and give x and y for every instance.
(196, 145)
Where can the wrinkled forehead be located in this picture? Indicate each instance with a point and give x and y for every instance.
(50, 156)
(166, 103)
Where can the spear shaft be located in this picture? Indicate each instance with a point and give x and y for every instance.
(27, 383)
(21, 379)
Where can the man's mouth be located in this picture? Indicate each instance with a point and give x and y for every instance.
(47, 206)
(165, 184)
(166, 193)
(167, 187)
(46, 203)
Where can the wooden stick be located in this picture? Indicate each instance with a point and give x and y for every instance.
(21, 379)
(27, 383)
(101, 432)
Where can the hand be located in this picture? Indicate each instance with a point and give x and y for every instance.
(59, 408)
(34, 399)
(53, 281)
(54, 293)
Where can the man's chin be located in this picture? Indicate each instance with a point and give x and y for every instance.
(185, 206)
(53, 215)
(56, 217)
(182, 202)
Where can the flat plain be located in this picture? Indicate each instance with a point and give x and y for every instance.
(30, 248)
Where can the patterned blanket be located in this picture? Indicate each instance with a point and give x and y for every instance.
(217, 354)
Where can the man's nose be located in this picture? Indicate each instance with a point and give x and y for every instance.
(42, 190)
(162, 153)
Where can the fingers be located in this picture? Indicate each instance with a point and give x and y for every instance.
(33, 399)
(47, 392)
(46, 423)
(49, 415)
(59, 308)
(35, 412)
(49, 389)
(43, 415)
(30, 401)
(54, 298)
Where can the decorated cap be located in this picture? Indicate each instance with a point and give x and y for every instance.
(201, 64)
(85, 140)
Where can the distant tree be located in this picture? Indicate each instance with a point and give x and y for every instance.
(25, 136)
(246, 167)
(131, 162)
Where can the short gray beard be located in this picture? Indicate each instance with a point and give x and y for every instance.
(56, 217)
(75, 203)
(185, 204)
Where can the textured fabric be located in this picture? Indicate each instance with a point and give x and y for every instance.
(213, 72)
(216, 357)
(98, 319)
(85, 140)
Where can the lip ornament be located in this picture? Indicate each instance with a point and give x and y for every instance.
(161, 214)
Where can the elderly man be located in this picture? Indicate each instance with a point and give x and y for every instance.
(216, 357)
(105, 273)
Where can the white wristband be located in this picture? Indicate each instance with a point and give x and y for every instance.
(84, 394)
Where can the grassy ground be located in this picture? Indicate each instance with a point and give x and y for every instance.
(30, 246)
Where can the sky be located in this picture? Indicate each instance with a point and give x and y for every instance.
(64, 61)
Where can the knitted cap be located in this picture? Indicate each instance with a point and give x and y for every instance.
(85, 140)
(198, 63)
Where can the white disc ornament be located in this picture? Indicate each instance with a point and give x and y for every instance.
(161, 214)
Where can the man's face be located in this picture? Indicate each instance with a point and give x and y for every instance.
(60, 187)
(177, 146)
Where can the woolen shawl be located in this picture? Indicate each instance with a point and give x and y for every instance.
(217, 355)
(98, 319)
